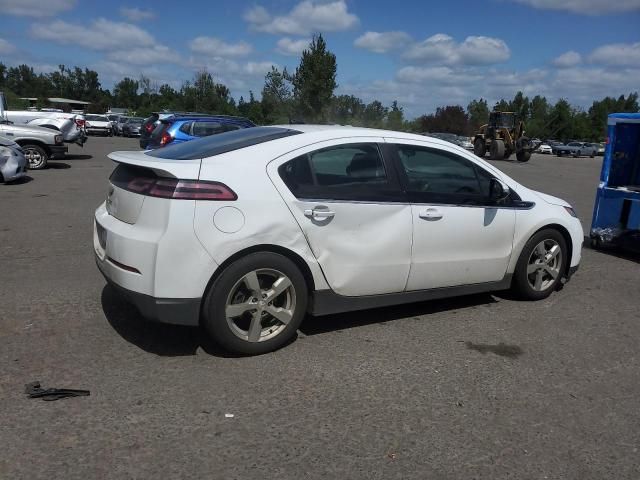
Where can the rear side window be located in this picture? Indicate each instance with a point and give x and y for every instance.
(204, 129)
(186, 128)
(346, 172)
(222, 143)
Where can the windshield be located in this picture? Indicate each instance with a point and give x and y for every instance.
(221, 143)
(97, 118)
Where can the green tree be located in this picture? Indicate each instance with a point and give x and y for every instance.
(276, 97)
(315, 80)
(125, 93)
(395, 117)
(374, 114)
(347, 110)
(478, 112)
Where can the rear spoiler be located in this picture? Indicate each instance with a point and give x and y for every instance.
(162, 167)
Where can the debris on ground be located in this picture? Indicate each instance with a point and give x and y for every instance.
(34, 390)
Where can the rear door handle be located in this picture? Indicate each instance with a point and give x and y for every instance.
(319, 213)
(431, 214)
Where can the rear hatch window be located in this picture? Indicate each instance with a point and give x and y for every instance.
(222, 143)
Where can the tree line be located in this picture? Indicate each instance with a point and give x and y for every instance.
(306, 95)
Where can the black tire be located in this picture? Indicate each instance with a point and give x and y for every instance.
(523, 156)
(577, 154)
(214, 307)
(559, 154)
(521, 279)
(497, 149)
(480, 147)
(37, 157)
(593, 154)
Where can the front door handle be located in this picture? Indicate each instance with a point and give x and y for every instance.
(431, 214)
(319, 213)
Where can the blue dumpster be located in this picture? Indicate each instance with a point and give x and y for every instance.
(616, 216)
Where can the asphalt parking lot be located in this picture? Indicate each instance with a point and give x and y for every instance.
(419, 391)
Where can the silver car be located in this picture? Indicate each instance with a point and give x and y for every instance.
(13, 164)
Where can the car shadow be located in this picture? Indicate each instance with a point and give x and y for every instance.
(174, 340)
(56, 165)
(630, 253)
(80, 156)
(360, 318)
(20, 181)
(157, 338)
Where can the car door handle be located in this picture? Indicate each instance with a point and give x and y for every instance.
(431, 214)
(318, 213)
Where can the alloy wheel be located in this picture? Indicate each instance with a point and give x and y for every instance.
(544, 266)
(260, 305)
(33, 157)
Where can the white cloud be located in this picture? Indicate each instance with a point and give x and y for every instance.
(5, 47)
(257, 69)
(617, 54)
(101, 35)
(305, 18)
(215, 47)
(35, 8)
(443, 49)
(438, 75)
(568, 59)
(145, 56)
(136, 14)
(382, 42)
(287, 46)
(585, 7)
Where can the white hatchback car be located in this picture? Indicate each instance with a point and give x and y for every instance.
(247, 231)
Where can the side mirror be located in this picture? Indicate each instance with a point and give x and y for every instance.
(498, 191)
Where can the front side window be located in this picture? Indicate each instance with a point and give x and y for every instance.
(442, 177)
(345, 172)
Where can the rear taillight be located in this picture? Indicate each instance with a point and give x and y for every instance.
(80, 122)
(149, 127)
(165, 138)
(180, 189)
(144, 181)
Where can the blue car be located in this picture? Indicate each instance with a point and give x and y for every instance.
(178, 129)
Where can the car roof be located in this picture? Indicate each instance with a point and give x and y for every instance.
(193, 118)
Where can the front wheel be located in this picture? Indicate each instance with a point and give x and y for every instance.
(541, 265)
(523, 156)
(479, 147)
(257, 304)
(36, 156)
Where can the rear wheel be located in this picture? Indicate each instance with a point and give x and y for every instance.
(257, 304)
(479, 147)
(523, 156)
(497, 149)
(36, 156)
(541, 265)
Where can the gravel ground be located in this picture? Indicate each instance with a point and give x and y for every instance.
(476, 387)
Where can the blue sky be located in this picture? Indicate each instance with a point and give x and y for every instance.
(424, 54)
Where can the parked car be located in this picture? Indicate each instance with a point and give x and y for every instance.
(286, 220)
(449, 137)
(98, 124)
(13, 164)
(598, 147)
(114, 118)
(546, 149)
(122, 119)
(150, 123)
(132, 127)
(39, 144)
(464, 142)
(183, 129)
(577, 149)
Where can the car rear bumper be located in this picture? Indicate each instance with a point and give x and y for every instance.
(174, 311)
